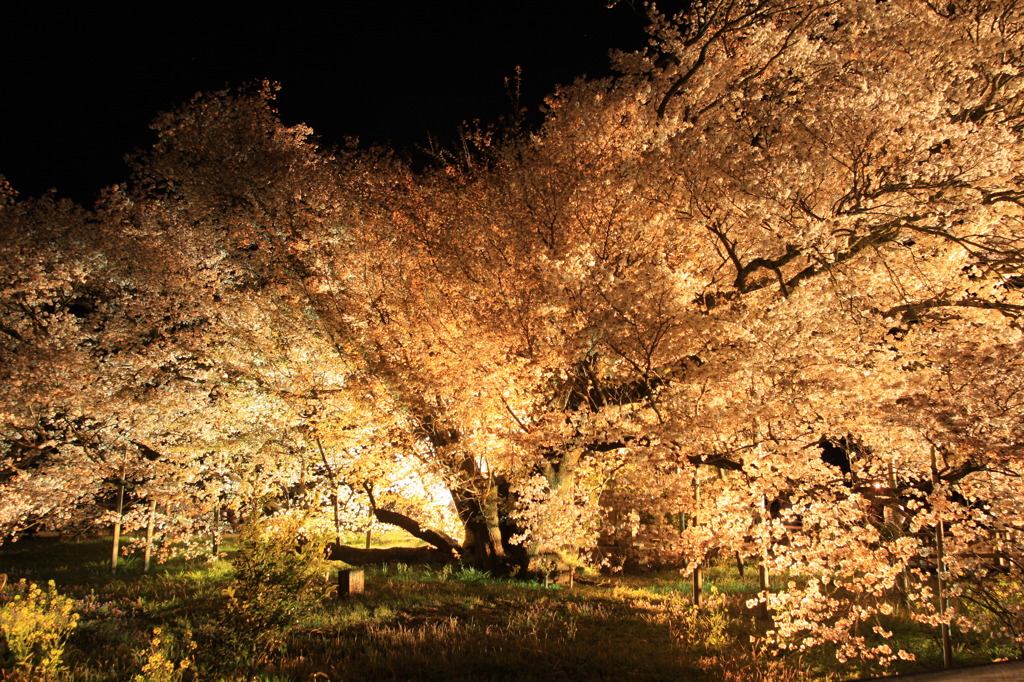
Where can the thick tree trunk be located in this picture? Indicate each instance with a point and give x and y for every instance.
(482, 547)
(488, 532)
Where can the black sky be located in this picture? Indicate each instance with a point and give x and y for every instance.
(82, 80)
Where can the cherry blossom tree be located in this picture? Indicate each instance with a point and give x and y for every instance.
(758, 295)
(847, 179)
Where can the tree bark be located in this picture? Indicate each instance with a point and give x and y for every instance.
(483, 547)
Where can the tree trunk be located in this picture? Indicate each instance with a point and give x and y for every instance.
(481, 502)
(478, 502)
(483, 547)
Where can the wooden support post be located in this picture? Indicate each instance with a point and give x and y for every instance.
(150, 525)
(215, 538)
(116, 551)
(698, 577)
(765, 584)
(940, 568)
(350, 581)
(763, 580)
(947, 647)
(698, 585)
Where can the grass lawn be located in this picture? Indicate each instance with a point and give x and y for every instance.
(413, 623)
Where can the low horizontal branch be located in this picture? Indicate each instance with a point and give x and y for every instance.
(358, 556)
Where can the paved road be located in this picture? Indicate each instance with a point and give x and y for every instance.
(1012, 671)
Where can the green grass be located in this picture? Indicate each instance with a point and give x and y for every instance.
(416, 622)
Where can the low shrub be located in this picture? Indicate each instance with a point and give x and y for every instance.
(158, 664)
(35, 626)
(276, 575)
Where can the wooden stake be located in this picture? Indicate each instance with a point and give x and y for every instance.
(698, 585)
(215, 538)
(117, 528)
(149, 536)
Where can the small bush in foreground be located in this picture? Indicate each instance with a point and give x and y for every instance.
(275, 575)
(159, 665)
(35, 625)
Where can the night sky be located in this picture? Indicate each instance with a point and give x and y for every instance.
(81, 81)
